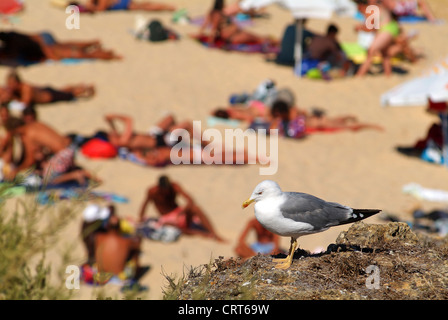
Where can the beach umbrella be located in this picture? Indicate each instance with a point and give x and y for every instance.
(431, 86)
(416, 92)
(305, 9)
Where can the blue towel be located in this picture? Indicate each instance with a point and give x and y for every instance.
(213, 121)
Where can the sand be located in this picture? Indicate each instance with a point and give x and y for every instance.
(359, 169)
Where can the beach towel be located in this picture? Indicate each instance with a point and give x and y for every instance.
(358, 54)
(216, 121)
(246, 47)
(125, 154)
(25, 63)
(52, 194)
(11, 6)
(126, 279)
(423, 193)
(153, 230)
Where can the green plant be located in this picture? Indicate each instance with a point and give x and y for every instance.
(27, 232)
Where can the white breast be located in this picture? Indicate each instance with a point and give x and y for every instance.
(268, 214)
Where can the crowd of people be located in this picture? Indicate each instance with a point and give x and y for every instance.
(387, 40)
(277, 110)
(52, 154)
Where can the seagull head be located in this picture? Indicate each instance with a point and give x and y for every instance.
(264, 189)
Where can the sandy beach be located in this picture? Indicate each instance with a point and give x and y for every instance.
(359, 169)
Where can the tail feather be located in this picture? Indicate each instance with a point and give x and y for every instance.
(360, 214)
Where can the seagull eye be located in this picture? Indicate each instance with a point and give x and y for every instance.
(261, 192)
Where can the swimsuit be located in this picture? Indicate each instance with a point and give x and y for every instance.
(175, 218)
(57, 95)
(259, 106)
(178, 218)
(263, 248)
(392, 27)
(120, 5)
(60, 163)
(294, 128)
(47, 38)
(163, 139)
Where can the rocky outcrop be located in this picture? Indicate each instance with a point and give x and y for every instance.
(387, 261)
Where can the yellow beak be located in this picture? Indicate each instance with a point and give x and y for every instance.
(247, 203)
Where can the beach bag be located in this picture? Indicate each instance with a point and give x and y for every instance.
(157, 32)
(98, 148)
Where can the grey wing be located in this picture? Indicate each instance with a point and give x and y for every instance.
(319, 213)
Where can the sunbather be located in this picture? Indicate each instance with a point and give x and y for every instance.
(255, 110)
(29, 94)
(295, 123)
(111, 251)
(326, 48)
(384, 41)
(58, 50)
(401, 44)
(163, 156)
(266, 242)
(112, 5)
(18, 48)
(137, 141)
(403, 8)
(41, 46)
(46, 149)
(190, 219)
(222, 27)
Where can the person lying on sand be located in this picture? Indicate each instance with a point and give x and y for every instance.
(47, 150)
(29, 94)
(163, 156)
(155, 147)
(283, 113)
(294, 123)
(255, 110)
(222, 27)
(112, 5)
(58, 50)
(38, 47)
(187, 218)
(140, 141)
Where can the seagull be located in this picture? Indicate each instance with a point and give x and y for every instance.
(295, 214)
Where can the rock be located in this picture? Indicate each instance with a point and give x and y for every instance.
(373, 235)
(407, 266)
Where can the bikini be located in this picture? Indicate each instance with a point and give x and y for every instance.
(57, 95)
(392, 27)
(120, 5)
(226, 22)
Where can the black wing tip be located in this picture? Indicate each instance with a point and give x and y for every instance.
(367, 211)
(360, 214)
